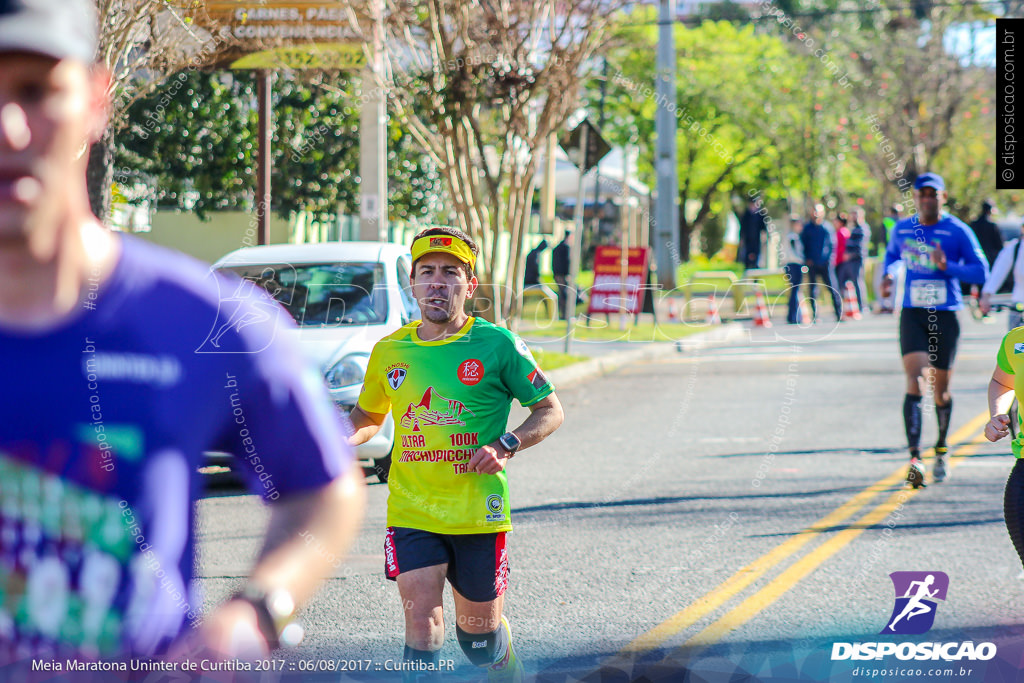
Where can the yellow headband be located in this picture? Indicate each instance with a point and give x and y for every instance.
(445, 244)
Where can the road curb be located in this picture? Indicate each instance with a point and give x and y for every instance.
(602, 365)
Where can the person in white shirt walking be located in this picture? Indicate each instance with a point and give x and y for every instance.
(1008, 268)
(793, 252)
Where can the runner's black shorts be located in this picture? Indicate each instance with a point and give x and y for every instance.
(933, 332)
(477, 563)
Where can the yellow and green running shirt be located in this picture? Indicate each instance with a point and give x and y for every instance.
(448, 398)
(1010, 360)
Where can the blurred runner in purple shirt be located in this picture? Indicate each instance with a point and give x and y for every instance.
(113, 390)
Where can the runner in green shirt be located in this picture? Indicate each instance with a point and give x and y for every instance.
(449, 381)
(1007, 383)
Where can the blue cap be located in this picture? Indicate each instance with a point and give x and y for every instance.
(930, 180)
(62, 29)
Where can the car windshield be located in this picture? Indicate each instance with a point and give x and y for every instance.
(324, 294)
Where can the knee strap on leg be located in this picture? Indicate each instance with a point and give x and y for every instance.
(943, 414)
(912, 420)
(483, 649)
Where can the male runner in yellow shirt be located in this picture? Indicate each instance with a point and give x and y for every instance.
(449, 380)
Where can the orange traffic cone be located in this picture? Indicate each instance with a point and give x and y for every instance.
(851, 311)
(761, 317)
(713, 317)
(805, 313)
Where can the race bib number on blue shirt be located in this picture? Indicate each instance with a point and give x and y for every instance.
(925, 293)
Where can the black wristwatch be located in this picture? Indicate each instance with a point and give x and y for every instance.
(275, 614)
(510, 442)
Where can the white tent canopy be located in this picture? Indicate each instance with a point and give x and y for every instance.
(611, 169)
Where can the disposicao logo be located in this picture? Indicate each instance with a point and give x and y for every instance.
(916, 595)
(913, 613)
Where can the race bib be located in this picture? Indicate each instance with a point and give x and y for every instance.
(925, 293)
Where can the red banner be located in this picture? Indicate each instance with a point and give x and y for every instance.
(606, 294)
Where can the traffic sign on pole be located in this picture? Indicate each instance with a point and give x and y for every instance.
(597, 146)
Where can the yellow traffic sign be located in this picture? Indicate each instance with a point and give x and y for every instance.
(308, 56)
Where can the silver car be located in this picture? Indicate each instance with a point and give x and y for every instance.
(344, 296)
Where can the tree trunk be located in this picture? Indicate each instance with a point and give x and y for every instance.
(492, 261)
(685, 229)
(518, 221)
(100, 176)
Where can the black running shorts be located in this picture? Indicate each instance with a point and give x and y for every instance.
(933, 332)
(477, 563)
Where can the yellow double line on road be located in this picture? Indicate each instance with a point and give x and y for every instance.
(756, 603)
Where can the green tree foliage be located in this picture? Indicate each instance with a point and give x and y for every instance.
(812, 101)
(731, 82)
(141, 44)
(481, 86)
(911, 98)
(197, 138)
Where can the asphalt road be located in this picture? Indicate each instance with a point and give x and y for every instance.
(730, 511)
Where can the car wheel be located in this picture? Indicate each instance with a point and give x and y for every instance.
(382, 467)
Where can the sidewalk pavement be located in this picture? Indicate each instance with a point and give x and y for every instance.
(607, 357)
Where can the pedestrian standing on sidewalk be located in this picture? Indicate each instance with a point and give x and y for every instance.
(887, 304)
(987, 232)
(851, 267)
(560, 267)
(842, 232)
(794, 256)
(818, 240)
(531, 273)
(752, 227)
(1007, 276)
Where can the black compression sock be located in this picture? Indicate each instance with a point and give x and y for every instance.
(912, 422)
(484, 649)
(943, 413)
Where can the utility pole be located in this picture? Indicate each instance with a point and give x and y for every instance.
(264, 91)
(596, 222)
(576, 248)
(666, 242)
(373, 184)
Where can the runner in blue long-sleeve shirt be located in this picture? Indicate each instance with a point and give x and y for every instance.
(939, 251)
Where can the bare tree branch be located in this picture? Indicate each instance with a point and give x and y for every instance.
(471, 76)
